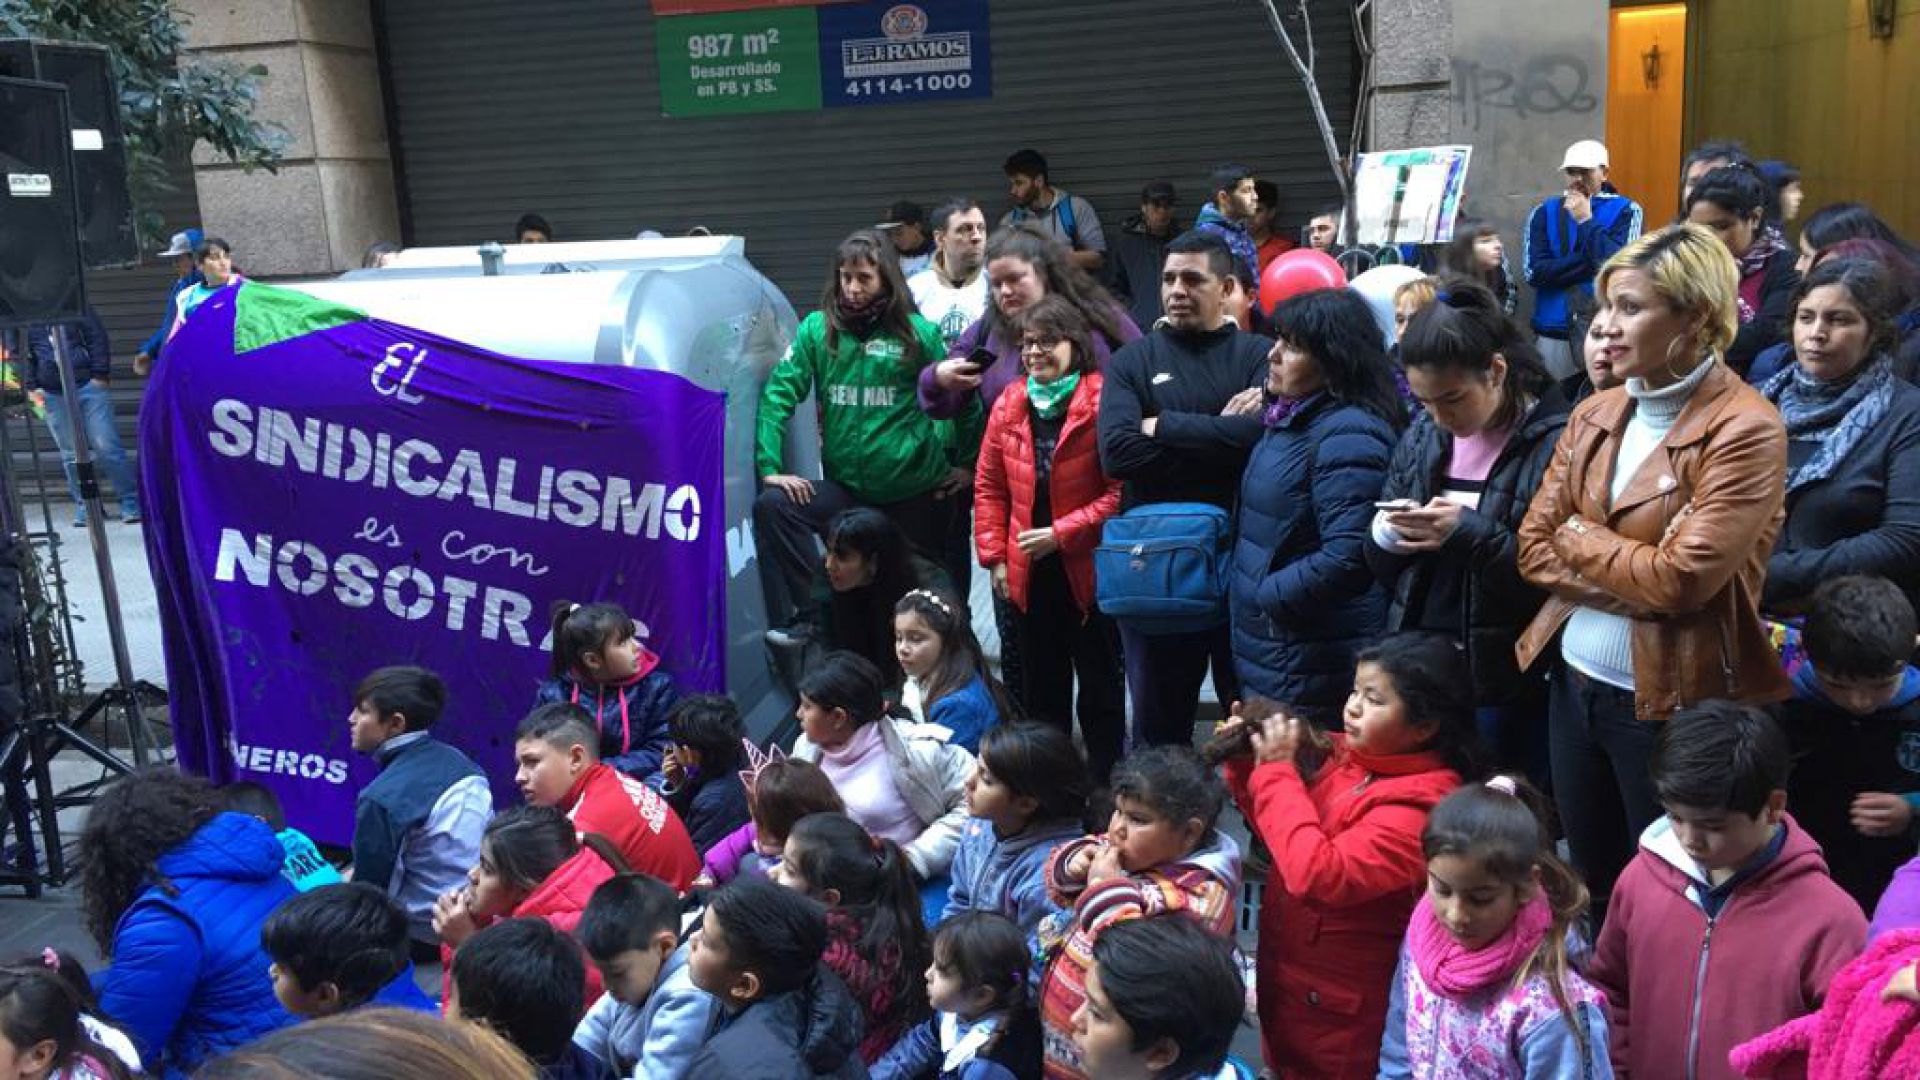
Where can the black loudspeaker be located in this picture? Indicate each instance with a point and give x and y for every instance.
(99, 146)
(40, 278)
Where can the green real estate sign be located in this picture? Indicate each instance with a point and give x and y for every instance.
(739, 62)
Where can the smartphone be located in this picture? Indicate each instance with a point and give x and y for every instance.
(1394, 506)
(982, 358)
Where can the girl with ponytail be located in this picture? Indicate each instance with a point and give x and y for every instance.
(1486, 986)
(1444, 542)
(600, 665)
(876, 939)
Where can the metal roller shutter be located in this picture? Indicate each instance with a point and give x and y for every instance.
(501, 107)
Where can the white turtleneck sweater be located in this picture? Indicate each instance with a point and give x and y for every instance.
(1598, 644)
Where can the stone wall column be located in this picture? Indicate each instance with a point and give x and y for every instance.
(334, 192)
(1518, 80)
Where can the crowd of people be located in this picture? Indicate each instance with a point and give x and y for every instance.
(1566, 674)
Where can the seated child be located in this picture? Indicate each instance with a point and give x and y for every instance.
(305, 867)
(340, 947)
(532, 865)
(652, 1019)
(1486, 986)
(902, 781)
(1854, 723)
(374, 1044)
(47, 1027)
(559, 765)
(1345, 837)
(1726, 865)
(1162, 1001)
(1027, 796)
(783, 1013)
(522, 978)
(701, 773)
(416, 827)
(984, 1026)
(1160, 852)
(948, 682)
(876, 941)
(780, 791)
(600, 665)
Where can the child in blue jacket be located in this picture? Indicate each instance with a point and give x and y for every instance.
(600, 665)
(175, 890)
(652, 1020)
(1027, 796)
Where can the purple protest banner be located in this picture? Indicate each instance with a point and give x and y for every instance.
(328, 493)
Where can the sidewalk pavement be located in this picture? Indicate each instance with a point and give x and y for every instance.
(55, 920)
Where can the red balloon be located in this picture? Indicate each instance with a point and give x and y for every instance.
(1297, 271)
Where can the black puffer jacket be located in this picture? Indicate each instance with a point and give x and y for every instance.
(1496, 605)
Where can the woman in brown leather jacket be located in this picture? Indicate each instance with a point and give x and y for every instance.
(1651, 532)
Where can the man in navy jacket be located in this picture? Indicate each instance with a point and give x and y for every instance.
(91, 358)
(1569, 236)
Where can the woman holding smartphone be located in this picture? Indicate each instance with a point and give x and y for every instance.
(1444, 538)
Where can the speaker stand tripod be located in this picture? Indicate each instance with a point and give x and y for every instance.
(126, 693)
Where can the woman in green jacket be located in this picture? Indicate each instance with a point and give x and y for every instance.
(861, 355)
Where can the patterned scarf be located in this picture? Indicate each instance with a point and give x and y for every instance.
(1050, 399)
(1837, 414)
(861, 318)
(1455, 971)
(1284, 408)
(1770, 241)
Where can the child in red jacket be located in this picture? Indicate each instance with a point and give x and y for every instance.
(557, 764)
(1725, 925)
(532, 866)
(1347, 861)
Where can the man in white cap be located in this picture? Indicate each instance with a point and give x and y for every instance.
(1569, 236)
(181, 251)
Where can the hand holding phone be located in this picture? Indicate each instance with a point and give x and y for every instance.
(982, 358)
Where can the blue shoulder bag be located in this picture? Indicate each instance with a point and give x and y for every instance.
(1162, 568)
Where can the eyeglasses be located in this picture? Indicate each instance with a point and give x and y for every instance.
(1039, 344)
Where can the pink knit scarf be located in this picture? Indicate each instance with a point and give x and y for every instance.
(1454, 970)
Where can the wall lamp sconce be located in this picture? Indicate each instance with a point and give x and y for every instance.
(1650, 66)
(1880, 16)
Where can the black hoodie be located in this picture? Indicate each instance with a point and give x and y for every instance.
(1136, 261)
(812, 1033)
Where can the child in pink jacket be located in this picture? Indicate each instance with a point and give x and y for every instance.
(1868, 1028)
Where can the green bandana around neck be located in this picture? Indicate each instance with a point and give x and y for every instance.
(1050, 399)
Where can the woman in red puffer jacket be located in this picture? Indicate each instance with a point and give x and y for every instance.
(1039, 502)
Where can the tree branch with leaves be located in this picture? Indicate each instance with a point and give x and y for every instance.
(168, 101)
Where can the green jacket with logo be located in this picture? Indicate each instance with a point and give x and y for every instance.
(875, 441)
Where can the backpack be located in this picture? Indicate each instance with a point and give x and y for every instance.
(1063, 210)
(1162, 568)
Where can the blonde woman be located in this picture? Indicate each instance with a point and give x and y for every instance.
(1651, 532)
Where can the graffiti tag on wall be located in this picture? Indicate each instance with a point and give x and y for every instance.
(1543, 86)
